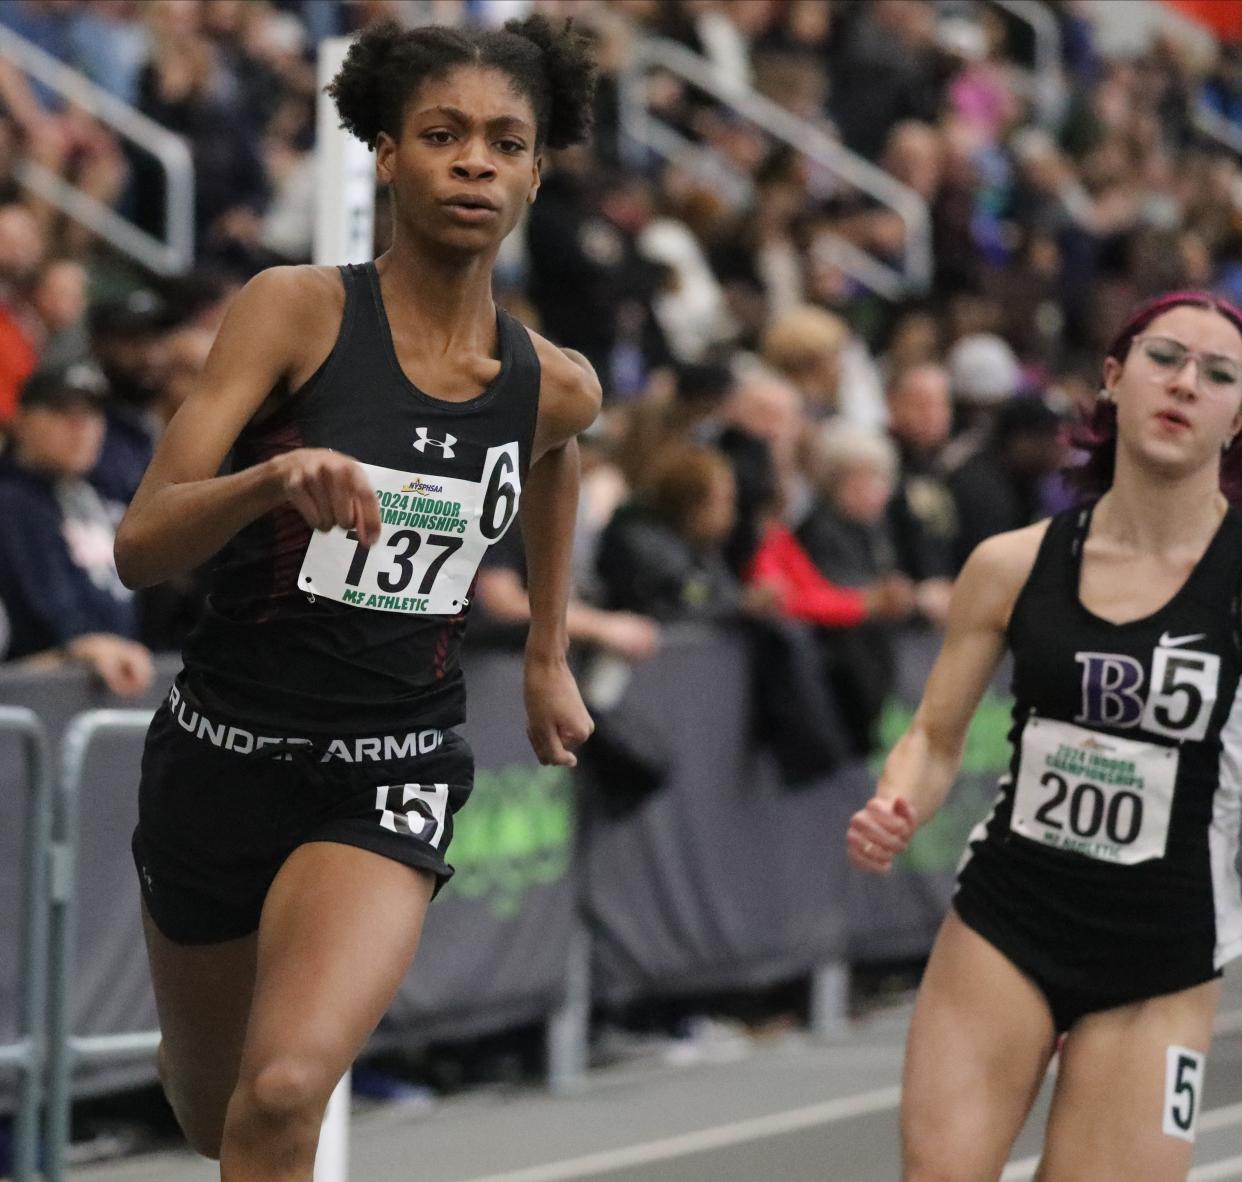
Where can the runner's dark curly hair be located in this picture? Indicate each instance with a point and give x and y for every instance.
(551, 65)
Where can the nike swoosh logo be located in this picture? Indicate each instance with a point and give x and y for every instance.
(1167, 641)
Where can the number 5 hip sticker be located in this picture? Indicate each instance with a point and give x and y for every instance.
(1183, 1084)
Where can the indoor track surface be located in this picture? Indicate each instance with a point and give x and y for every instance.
(787, 1109)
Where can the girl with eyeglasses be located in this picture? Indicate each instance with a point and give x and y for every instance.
(1098, 903)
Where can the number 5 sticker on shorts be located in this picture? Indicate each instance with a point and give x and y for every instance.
(413, 809)
(1183, 1085)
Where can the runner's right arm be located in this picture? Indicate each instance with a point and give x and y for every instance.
(924, 762)
(183, 512)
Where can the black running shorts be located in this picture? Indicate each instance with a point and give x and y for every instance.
(222, 805)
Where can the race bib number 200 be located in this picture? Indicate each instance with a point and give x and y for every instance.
(434, 531)
(1094, 794)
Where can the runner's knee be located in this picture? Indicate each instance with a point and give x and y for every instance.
(285, 1092)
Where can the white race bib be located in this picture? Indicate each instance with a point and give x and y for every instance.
(1093, 794)
(434, 532)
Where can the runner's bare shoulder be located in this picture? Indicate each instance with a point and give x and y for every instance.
(996, 571)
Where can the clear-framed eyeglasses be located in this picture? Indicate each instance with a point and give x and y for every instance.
(1215, 373)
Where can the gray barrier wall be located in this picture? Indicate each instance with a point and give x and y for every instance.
(723, 878)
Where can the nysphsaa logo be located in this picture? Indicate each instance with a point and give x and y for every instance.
(1178, 703)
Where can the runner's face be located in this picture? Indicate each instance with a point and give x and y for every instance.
(464, 167)
(1178, 396)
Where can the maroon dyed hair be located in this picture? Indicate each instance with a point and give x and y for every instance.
(1097, 434)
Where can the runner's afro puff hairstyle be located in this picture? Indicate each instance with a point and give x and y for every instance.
(552, 66)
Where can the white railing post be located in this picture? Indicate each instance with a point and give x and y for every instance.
(332, 1160)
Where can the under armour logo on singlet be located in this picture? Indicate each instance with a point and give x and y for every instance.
(424, 441)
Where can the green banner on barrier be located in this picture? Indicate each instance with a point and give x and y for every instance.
(937, 847)
(515, 833)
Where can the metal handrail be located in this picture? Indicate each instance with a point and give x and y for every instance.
(738, 189)
(169, 257)
(27, 1055)
(783, 125)
(64, 1048)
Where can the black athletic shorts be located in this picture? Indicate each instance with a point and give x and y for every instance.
(1079, 970)
(222, 805)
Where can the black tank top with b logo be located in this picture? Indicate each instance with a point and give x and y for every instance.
(311, 631)
(1115, 835)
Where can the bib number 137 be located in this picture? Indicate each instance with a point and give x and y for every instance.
(399, 574)
(433, 533)
(500, 499)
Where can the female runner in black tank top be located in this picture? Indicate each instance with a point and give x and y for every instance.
(1098, 903)
(258, 1028)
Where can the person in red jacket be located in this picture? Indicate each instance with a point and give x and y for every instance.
(803, 593)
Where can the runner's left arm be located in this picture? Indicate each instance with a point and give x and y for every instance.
(557, 719)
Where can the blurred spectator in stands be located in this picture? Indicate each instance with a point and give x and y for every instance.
(1222, 89)
(689, 302)
(884, 69)
(847, 538)
(833, 369)
(189, 88)
(58, 296)
(1000, 487)
(58, 579)
(586, 279)
(802, 589)
(500, 597)
(129, 341)
(853, 471)
(662, 554)
(984, 374)
(799, 28)
(707, 404)
(288, 230)
(913, 339)
(62, 137)
(21, 254)
(768, 407)
(602, 490)
(1211, 183)
(805, 659)
(111, 45)
(914, 154)
(922, 517)
(1028, 291)
(983, 89)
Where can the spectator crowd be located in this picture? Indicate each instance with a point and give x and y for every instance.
(781, 447)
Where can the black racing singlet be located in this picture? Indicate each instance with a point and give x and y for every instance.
(1112, 846)
(311, 631)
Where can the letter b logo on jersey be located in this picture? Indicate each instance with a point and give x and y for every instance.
(424, 441)
(1110, 685)
(1179, 703)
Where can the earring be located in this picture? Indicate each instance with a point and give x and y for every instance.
(1105, 395)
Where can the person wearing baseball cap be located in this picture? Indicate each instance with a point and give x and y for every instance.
(129, 339)
(58, 579)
